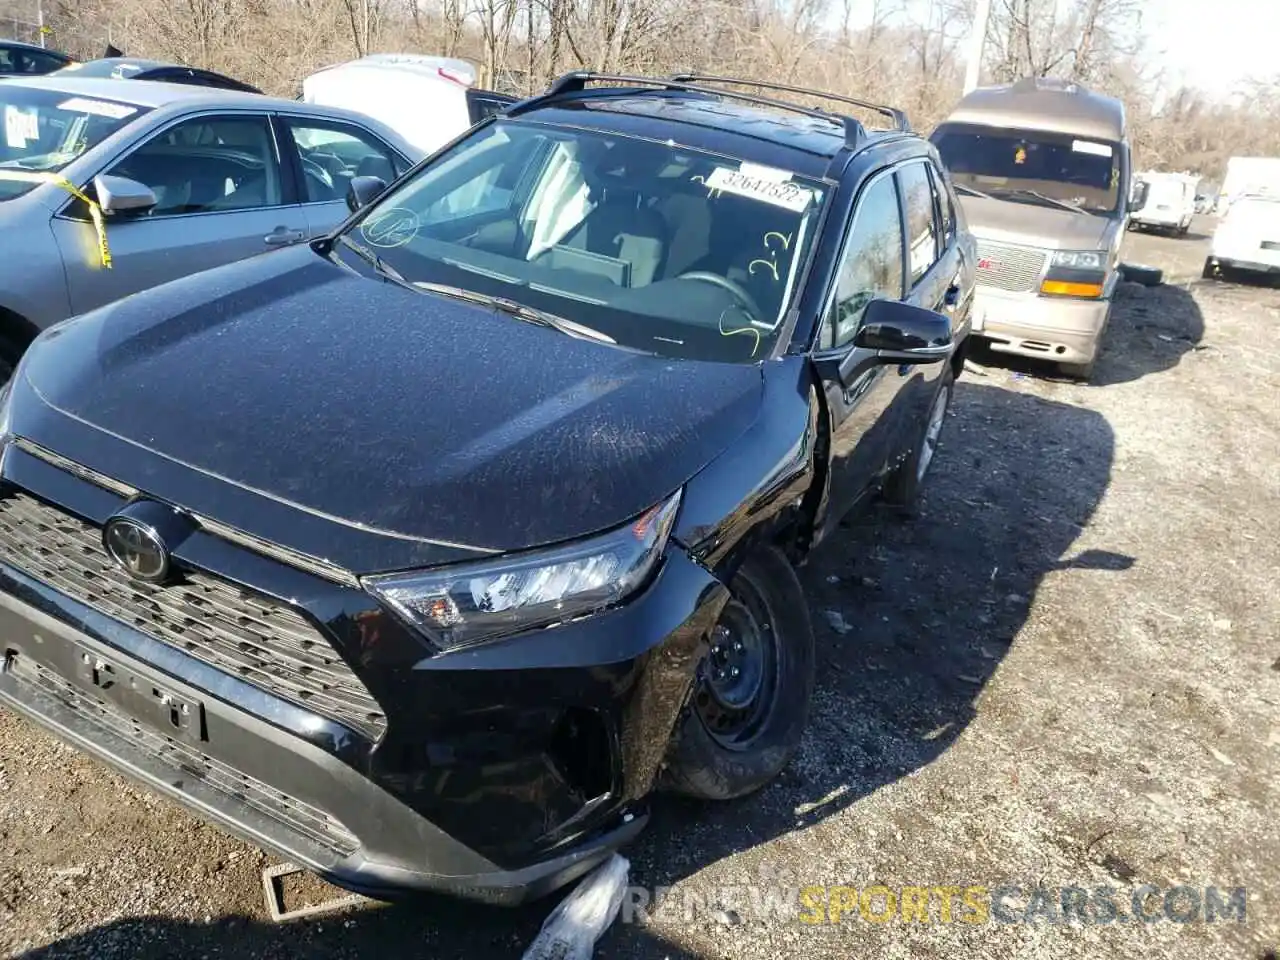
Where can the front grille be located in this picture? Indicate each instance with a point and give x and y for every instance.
(257, 639)
(1009, 267)
(301, 818)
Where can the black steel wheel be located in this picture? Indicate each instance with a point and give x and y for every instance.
(750, 699)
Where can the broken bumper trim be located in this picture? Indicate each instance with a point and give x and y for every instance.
(42, 681)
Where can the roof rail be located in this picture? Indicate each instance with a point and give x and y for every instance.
(577, 81)
(899, 118)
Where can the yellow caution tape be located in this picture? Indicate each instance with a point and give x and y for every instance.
(95, 210)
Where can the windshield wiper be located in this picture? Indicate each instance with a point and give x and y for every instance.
(965, 188)
(380, 266)
(1065, 204)
(516, 309)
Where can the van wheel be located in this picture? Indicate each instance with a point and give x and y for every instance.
(902, 488)
(750, 700)
(1077, 371)
(1210, 271)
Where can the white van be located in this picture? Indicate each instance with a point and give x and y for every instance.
(1169, 203)
(427, 100)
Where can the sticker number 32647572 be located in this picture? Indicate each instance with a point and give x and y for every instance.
(773, 190)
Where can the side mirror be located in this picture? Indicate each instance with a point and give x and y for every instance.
(118, 195)
(901, 333)
(363, 191)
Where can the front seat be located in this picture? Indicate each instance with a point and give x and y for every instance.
(375, 165)
(620, 227)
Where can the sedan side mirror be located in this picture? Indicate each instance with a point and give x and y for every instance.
(901, 333)
(363, 191)
(118, 195)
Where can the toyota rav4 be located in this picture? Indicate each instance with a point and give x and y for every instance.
(422, 554)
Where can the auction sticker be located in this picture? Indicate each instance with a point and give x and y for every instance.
(1088, 146)
(761, 183)
(20, 126)
(99, 108)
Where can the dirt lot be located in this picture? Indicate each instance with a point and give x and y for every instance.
(1067, 672)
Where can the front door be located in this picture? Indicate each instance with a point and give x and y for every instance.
(329, 154)
(862, 410)
(219, 198)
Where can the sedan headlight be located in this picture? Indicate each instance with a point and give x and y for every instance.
(471, 603)
(1080, 259)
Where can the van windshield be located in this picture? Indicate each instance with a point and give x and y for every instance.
(1033, 166)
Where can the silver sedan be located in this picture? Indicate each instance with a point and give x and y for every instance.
(107, 188)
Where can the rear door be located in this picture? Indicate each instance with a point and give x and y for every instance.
(221, 197)
(326, 155)
(934, 281)
(872, 267)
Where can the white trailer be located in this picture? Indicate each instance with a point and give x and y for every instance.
(427, 100)
(1249, 175)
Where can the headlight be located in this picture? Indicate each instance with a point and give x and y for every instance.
(470, 603)
(1080, 259)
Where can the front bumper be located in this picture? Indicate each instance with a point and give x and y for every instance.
(472, 788)
(1061, 329)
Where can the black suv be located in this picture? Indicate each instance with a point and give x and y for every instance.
(423, 553)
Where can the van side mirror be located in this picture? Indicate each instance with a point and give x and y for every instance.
(363, 191)
(118, 195)
(901, 333)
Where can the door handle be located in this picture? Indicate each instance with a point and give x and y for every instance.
(282, 236)
(952, 297)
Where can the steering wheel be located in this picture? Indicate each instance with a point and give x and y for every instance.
(739, 292)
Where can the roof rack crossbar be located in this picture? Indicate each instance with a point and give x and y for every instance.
(899, 117)
(577, 81)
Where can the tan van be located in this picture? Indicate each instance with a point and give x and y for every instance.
(1043, 172)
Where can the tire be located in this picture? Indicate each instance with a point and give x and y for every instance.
(902, 488)
(726, 743)
(1210, 270)
(1077, 371)
(1140, 273)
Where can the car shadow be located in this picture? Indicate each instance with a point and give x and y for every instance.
(912, 619)
(1151, 329)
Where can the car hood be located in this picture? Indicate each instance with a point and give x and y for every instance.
(1028, 224)
(391, 411)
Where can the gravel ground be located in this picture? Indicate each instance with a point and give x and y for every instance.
(1065, 673)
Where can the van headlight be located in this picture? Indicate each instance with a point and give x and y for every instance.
(471, 603)
(1080, 259)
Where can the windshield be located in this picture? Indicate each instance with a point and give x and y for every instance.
(659, 247)
(1018, 165)
(44, 130)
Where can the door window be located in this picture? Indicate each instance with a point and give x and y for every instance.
(921, 219)
(871, 265)
(946, 212)
(332, 154)
(208, 165)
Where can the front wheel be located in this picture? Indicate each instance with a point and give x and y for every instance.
(751, 695)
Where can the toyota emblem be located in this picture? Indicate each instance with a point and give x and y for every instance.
(137, 548)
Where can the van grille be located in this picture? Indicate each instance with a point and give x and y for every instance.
(248, 636)
(1009, 267)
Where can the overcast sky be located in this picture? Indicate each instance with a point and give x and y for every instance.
(1210, 44)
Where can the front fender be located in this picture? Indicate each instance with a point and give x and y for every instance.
(763, 477)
